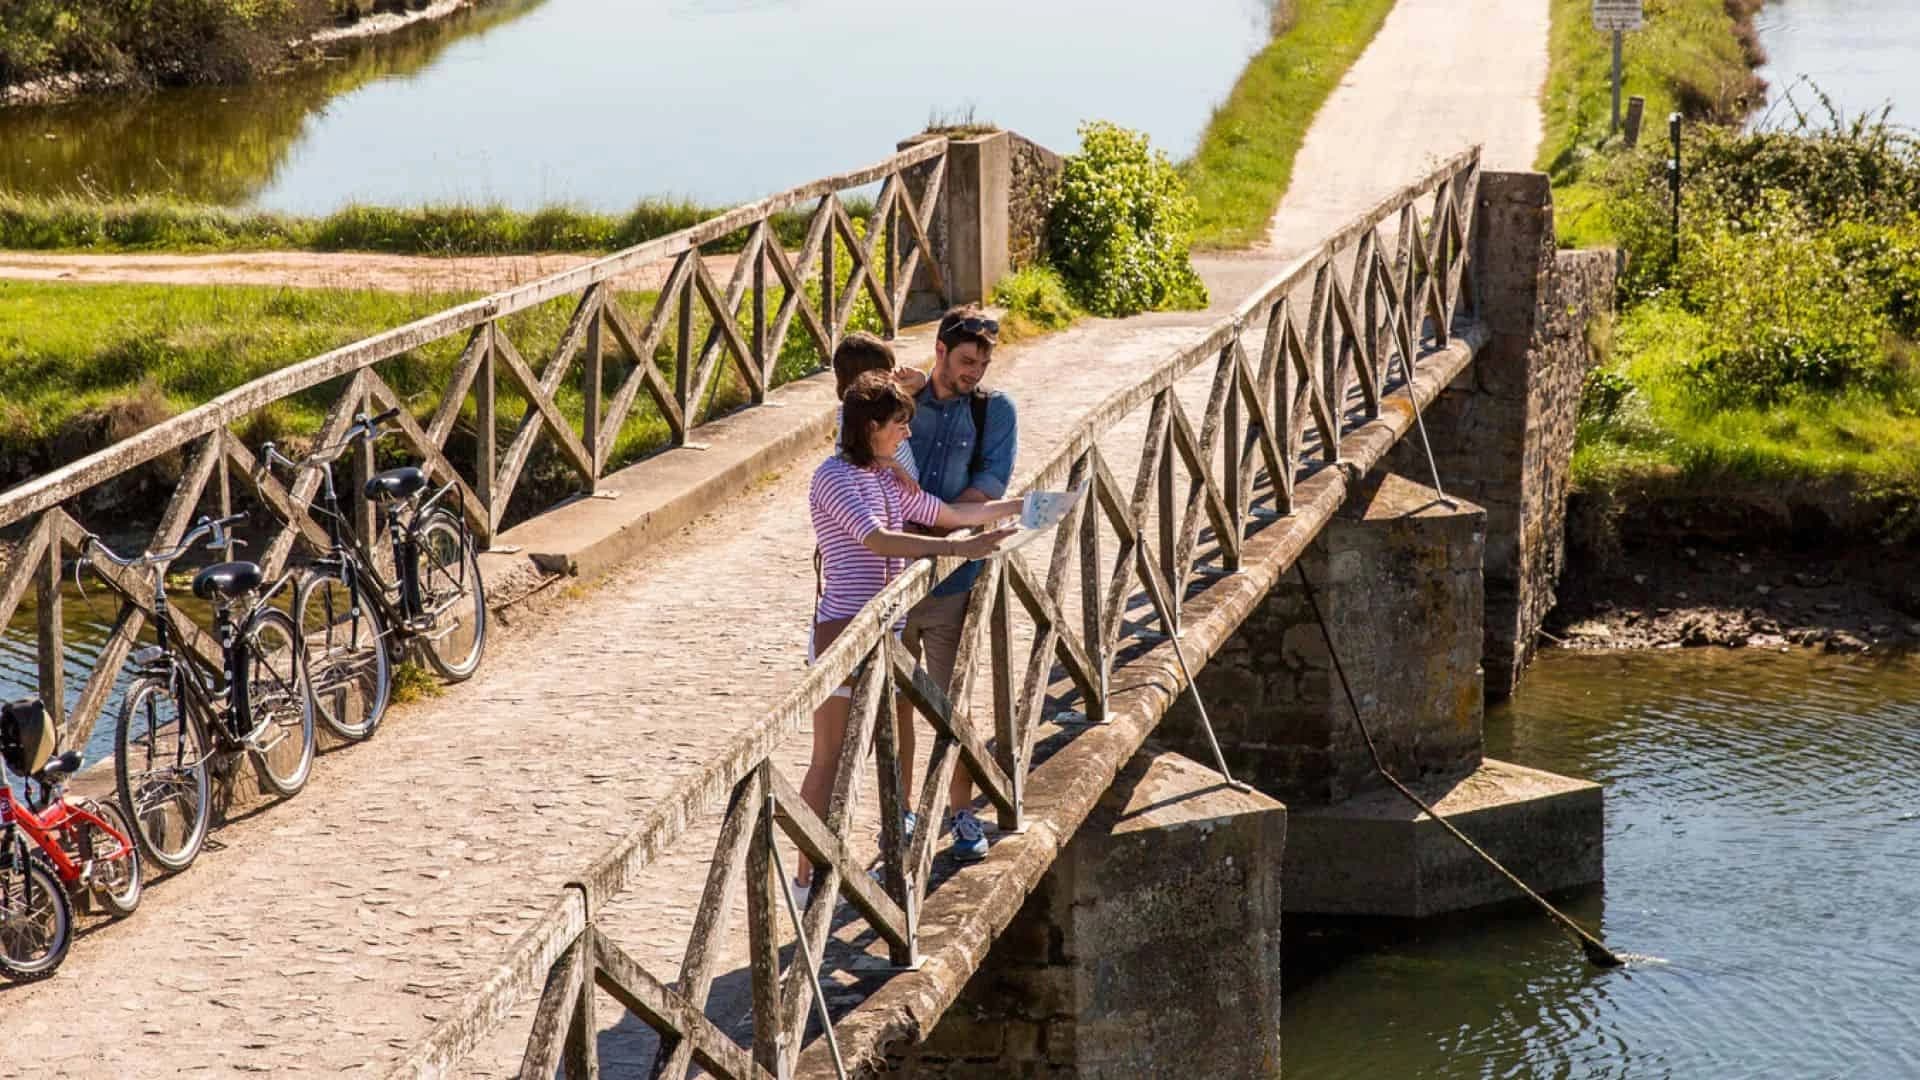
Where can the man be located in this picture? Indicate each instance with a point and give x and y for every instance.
(958, 464)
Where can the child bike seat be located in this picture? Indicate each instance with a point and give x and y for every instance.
(26, 739)
(396, 483)
(229, 579)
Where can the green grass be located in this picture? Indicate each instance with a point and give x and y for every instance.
(1663, 429)
(1692, 57)
(413, 682)
(1037, 303)
(1648, 423)
(78, 223)
(82, 366)
(1245, 158)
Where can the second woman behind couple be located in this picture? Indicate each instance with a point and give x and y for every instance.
(861, 506)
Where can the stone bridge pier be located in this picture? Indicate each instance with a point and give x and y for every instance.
(1503, 433)
(1433, 603)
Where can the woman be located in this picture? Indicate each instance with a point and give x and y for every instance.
(860, 509)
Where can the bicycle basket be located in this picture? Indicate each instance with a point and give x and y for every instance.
(26, 739)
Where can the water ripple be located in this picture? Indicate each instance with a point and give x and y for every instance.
(1763, 825)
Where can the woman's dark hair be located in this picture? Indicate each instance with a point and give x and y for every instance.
(859, 353)
(873, 399)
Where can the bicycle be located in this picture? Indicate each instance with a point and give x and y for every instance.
(55, 851)
(353, 619)
(179, 713)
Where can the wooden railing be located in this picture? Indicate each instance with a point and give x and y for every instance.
(1344, 331)
(746, 324)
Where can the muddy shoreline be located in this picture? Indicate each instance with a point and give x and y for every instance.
(1734, 574)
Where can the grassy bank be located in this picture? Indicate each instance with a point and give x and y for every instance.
(1775, 358)
(1245, 158)
(158, 224)
(1694, 57)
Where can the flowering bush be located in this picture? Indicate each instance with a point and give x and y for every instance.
(1121, 225)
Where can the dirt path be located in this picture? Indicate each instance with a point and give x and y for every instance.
(1440, 76)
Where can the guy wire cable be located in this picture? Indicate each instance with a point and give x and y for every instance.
(1596, 952)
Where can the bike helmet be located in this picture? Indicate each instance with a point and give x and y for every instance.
(26, 739)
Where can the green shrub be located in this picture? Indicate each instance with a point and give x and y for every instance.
(171, 42)
(1037, 302)
(1121, 226)
(1786, 311)
(1888, 257)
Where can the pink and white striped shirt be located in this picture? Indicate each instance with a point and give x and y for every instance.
(847, 504)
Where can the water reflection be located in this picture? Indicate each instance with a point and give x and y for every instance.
(1763, 836)
(214, 144)
(603, 102)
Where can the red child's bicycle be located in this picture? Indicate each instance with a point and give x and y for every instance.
(54, 850)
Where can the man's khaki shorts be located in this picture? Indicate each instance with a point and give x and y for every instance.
(933, 634)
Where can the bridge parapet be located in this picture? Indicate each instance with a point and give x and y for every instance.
(1347, 345)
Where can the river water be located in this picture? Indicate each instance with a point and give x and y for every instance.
(1864, 54)
(603, 102)
(1762, 839)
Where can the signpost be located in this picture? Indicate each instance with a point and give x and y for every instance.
(1617, 16)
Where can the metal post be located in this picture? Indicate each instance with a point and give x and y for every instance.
(1673, 181)
(1617, 36)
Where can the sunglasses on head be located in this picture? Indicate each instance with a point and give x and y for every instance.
(970, 327)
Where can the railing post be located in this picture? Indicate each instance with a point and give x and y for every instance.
(486, 457)
(53, 667)
(979, 180)
(769, 360)
(763, 942)
(829, 285)
(590, 377)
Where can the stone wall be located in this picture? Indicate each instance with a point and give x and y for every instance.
(1036, 177)
(1503, 432)
(1397, 575)
(1150, 949)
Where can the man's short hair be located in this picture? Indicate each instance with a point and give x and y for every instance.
(968, 323)
(874, 398)
(859, 352)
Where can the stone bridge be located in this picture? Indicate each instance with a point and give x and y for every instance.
(600, 806)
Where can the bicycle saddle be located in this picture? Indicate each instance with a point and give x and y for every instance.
(229, 579)
(396, 483)
(66, 763)
(26, 739)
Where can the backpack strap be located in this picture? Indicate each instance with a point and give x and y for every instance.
(977, 402)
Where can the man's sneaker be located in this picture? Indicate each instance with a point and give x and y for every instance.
(801, 894)
(969, 837)
(909, 821)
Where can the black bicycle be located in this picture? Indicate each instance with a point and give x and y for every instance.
(181, 716)
(355, 619)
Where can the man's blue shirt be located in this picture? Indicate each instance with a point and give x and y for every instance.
(942, 442)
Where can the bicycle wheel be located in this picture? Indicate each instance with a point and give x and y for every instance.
(280, 707)
(160, 767)
(453, 601)
(116, 882)
(348, 670)
(36, 919)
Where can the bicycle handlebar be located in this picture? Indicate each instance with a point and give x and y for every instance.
(363, 427)
(213, 528)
